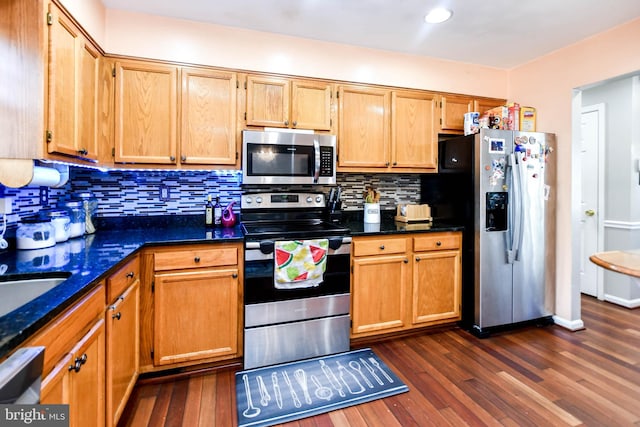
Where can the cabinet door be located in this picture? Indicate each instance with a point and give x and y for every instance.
(208, 118)
(268, 101)
(311, 105)
(55, 386)
(378, 294)
(414, 134)
(72, 90)
(123, 343)
(86, 381)
(196, 315)
(452, 111)
(363, 136)
(146, 118)
(437, 284)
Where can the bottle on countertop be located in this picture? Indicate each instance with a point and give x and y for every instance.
(217, 213)
(208, 213)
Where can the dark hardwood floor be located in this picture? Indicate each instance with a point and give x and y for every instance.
(545, 376)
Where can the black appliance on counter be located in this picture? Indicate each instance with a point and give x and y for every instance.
(283, 325)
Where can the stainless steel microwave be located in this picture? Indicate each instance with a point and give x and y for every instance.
(275, 157)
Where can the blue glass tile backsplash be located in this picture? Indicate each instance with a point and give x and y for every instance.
(150, 193)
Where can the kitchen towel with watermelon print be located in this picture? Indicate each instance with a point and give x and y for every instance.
(299, 263)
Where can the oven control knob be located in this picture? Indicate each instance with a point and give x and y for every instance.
(318, 199)
(309, 200)
(248, 200)
(258, 199)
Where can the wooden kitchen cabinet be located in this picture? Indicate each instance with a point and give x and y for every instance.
(380, 279)
(404, 282)
(287, 103)
(72, 102)
(51, 78)
(197, 304)
(483, 104)
(146, 105)
(414, 138)
(437, 278)
(382, 130)
(452, 111)
(74, 365)
(364, 139)
(123, 338)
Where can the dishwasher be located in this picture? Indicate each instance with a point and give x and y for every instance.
(20, 376)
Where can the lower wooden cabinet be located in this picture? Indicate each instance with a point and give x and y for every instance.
(405, 281)
(78, 380)
(196, 303)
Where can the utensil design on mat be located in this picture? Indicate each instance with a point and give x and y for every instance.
(349, 380)
(322, 392)
(356, 366)
(276, 389)
(265, 397)
(332, 378)
(301, 376)
(251, 410)
(294, 395)
(377, 365)
(371, 371)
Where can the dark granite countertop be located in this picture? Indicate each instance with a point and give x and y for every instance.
(89, 259)
(92, 258)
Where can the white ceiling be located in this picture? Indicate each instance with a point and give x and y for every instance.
(500, 33)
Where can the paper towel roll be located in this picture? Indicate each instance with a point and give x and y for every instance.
(43, 176)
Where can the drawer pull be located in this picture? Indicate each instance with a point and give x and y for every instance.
(130, 275)
(438, 243)
(382, 247)
(116, 316)
(196, 259)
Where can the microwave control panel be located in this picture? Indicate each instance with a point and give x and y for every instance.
(326, 161)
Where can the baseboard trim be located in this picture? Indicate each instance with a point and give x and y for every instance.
(628, 303)
(572, 325)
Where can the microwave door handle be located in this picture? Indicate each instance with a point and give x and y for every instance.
(316, 150)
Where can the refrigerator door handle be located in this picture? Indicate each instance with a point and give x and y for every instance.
(515, 208)
(521, 204)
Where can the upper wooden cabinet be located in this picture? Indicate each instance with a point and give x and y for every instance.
(286, 103)
(454, 107)
(72, 107)
(383, 130)
(146, 117)
(452, 111)
(414, 138)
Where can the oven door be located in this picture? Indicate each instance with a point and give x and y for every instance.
(259, 267)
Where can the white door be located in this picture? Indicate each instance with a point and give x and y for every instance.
(591, 149)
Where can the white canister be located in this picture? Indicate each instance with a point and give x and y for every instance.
(372, 212)
(35, 233)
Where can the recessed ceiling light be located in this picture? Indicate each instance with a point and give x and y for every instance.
(438, 15)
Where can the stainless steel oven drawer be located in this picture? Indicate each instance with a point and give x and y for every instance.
(269, 345)
(293, 310)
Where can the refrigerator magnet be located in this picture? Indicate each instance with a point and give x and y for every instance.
(496, 145)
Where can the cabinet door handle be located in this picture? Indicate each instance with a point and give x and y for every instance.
(196, 259)
(183, 158)
(382, 247)
(295, 123)
(116, 316)
(77, 364)
(234, 275)
(286, 122)
(83, 152)
(130, 275)
(395, 163)
(438, 243)
(172, 158)
(417, 258)
(406, 261)
(386, 164)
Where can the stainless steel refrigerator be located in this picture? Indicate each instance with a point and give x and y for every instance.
(501, 185)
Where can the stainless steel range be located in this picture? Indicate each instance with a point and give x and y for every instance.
(290, 319)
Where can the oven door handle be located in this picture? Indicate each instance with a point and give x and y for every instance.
(316, 150)
(267, 246)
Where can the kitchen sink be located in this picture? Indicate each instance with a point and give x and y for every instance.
(16, 292)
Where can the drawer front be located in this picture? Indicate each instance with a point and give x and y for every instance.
(436, 242)
(118, 282)
(379, 246)
(195, 258)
